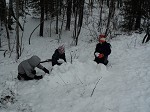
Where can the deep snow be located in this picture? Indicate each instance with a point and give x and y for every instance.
(122, 86)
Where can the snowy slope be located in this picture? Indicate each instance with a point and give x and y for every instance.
(122, 86)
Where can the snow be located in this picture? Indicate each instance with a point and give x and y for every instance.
(122, 86)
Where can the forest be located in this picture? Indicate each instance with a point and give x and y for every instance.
(113, 18)
(38, 28)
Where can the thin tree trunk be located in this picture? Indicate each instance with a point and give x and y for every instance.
(69, 6)
(80, 21)
(110, 16)
(75, 25)
(17, 29)
(74, 6)
(8, 37)
(100, 15)
(57, 11)
(46, 9)
(60, 32)
(42, 17)
(6, 27)
(0, 32)
(138, 16)
(10, 15)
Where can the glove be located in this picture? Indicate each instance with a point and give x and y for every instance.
(101, 55)
(61, 61)
(33, 72)
(38, 77)
(97, 54)
(45, 70)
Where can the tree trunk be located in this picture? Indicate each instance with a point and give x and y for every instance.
(100, 15)
(110, 16)
(6, 25)
(10, 21)
(46, 9)
(51, 7)
(0, 32)
(138, 16)
(2, 9)
(69, 6)
(57, 16)
(42, 17)
(17, 29)
(80, 21)
(74, 6)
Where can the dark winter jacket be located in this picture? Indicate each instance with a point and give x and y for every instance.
(27, 67)
(56, 56)
(104, 48)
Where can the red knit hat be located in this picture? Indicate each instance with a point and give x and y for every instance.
(102, 38)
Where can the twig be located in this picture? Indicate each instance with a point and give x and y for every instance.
(95, 86)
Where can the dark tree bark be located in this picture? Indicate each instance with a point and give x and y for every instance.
(17, 29)
(57, 11)
(51, 8)
(69, 6)
(119, 3)
(74, 6)
(6, 24)
(2, 9)
(138, 16)
(78, 19)
(100, 15)
(46, 9)
(42, 17)
(110, 16)
(10, 21)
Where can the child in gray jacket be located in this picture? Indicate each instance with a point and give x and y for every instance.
(26, 69)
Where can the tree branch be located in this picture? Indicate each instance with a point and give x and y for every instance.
(95, 86)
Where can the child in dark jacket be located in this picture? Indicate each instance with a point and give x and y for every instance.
(58, 55)
(102, 50)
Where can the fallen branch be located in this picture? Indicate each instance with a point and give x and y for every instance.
(95, 86)
(34, 30)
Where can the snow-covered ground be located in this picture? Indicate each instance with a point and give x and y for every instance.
(80, 86)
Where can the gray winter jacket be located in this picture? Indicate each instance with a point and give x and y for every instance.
(27, 66)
